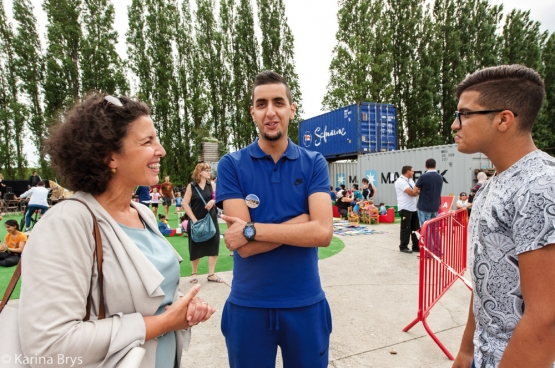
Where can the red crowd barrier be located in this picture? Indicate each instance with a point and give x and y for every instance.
(443, 249)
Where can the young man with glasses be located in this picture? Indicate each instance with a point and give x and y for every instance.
(276, 298)
(511, 322)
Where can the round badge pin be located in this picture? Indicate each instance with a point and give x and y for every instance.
(252, 201)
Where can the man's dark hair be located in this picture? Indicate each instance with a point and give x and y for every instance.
(342, 186)
(430, 163)
(40, 183)
(512, 87)
(81, 142)
(271, 77)
(406, 169)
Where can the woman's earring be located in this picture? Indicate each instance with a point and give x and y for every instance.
(113, 170)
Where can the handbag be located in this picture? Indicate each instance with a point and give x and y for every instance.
(11, 354)
(204, 229)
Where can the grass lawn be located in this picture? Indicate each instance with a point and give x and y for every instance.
(180, 243)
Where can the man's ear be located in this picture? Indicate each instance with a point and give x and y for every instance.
(506, 121)
(293, 111)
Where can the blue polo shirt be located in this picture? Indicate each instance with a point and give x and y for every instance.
(286, 277)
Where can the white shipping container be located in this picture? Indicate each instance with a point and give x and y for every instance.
(383, 168)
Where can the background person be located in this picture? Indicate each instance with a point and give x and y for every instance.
(38, 201)
(155, 200)
(2, 187)
(143, 194)
(196, 209)
(33, 180)
(14, 242)
(166, 189)
(482, 178)
(368, 189)
(343, 203)
(511, 317)
(462, 202)
(429, 185)
(268, 307)
(104, 148)
(407, 198)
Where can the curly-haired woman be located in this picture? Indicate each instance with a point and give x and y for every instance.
(104, 148)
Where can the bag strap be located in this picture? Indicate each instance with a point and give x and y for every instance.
(97, 255)
(200, 195)
(11, 286)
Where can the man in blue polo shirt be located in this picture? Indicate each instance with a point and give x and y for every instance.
(430, 185)
(276, 204)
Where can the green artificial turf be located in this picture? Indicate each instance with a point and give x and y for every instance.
(180, 243)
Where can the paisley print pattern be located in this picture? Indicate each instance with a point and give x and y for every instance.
(512, 213)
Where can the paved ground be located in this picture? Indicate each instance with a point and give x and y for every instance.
(372, 289)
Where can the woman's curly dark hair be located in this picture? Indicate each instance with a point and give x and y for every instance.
(81, 142)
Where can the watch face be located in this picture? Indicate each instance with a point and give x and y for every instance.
(249, 232)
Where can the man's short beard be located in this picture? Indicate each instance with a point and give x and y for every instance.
(273, 138)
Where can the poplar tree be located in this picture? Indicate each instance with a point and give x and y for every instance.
(544, 128)
(29, 66)
(212, 56)
(160, 29)
(408, 25)
(103, 69)
(14, 113)
(138, 59)
(190, 93)
(522, 40)
(278, 52)
(7, 159)
(362, 61)
(245, 67)
(63, 33)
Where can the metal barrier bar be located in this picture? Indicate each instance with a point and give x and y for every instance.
(443, 256)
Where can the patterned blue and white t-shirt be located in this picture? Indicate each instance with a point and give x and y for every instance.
(512, 213)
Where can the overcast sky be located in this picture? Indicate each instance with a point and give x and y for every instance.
(314, 24)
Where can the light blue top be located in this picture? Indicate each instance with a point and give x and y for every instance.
(158, 251)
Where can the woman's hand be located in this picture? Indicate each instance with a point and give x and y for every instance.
(187, 311)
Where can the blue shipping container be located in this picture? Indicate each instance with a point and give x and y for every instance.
(365, 127)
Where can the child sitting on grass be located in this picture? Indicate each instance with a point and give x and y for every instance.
(163, 226)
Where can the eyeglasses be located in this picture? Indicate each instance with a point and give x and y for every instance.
(209, 170)
(111, 100)
(480, 112)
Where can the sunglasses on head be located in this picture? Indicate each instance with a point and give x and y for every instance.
(111, 100)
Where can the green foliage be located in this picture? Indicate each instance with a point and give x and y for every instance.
(278, 52)
(13, 113)
(104, 68)
(244, 67)
(544, 127)
(29, 66)
(64, 35)
(403, 52)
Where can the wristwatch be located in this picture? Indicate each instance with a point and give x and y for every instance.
(249, 231)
